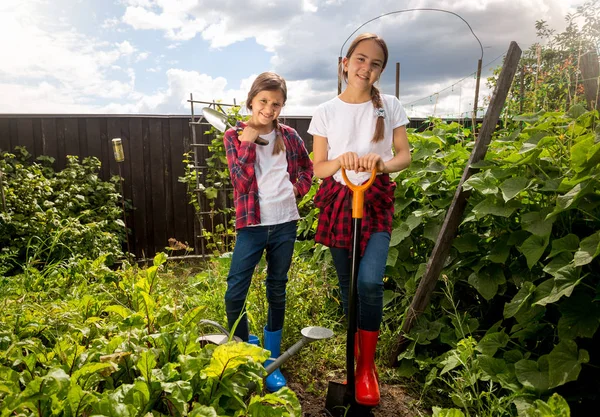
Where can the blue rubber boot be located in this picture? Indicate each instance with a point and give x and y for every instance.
(276, 380)
(253, 340)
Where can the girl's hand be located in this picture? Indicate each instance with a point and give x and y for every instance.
(349, 161)
(369, 162)
(249, 134)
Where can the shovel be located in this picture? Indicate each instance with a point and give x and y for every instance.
(219, 121)
(340, 401)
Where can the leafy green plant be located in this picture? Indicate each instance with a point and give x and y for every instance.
(523, 264)
(122, 343)
(53, 217)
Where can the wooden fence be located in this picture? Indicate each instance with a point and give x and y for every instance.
(153, 147)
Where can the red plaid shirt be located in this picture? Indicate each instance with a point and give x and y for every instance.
(241, 157)
(335, 218)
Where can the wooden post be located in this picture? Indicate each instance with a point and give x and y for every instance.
(340, 72)
(2, 192)
(397, 80)
(475, 102)
(590, 72)
(522, 90)
(457, 207)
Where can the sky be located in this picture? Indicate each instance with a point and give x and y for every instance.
(148, 56)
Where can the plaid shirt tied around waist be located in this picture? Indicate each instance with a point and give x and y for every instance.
(335, 218)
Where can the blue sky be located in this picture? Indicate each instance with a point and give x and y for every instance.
(147, 56)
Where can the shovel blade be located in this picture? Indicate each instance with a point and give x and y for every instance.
(340, 402)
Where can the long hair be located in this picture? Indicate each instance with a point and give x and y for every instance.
(375, 95)
(271, 82)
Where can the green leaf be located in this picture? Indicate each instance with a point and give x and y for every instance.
(491, 342)
(569, 243)
(283, 403)
(534, 375)
(468, 242)
(500, 250)
(564, 202)
(579, 153)
(588, 250)
(487, 280)
(520, 300)
(159, 259)
(565, 281)
(202, 411)
(533, 248)
(494, 206)
(484, 182)
(536, 222)
(145, 364)
(120, 310)
(228, 357)
(565, 362)
(513, 186)
(447, 412)
(580, 317)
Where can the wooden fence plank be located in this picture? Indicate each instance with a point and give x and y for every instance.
(179, 196)
(5, 144)
(157, 177)
(71, 137)
(167, 175)
(49, 139)
(60, 144)
(138, 189)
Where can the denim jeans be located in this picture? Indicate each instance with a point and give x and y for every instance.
(370, 279)
(251, 242)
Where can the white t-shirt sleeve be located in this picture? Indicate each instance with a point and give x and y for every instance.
(399, 117)
(317, 124)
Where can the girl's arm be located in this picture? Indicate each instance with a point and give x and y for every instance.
(401, 159)
(240, 161)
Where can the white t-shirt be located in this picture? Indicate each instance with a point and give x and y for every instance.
(350, 127)
(275, 191)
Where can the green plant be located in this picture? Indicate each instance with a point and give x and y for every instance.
(122, 343)
(214, 189)
(54, 217)
(523, 264)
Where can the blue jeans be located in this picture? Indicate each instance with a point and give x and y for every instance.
(370, 279)
(278, 240)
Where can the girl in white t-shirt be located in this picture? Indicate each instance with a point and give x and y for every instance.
(357, 131)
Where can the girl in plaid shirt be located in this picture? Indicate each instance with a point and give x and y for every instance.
(266, 181)
(356, 131)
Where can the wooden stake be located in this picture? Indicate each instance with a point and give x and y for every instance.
(453, 217)
(475, 102)
(397, 80)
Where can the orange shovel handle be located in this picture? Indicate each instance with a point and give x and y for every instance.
(358, 193)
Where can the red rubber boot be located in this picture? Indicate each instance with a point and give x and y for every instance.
(367, 385)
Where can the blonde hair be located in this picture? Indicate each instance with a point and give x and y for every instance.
(375, 95)
(271, 82)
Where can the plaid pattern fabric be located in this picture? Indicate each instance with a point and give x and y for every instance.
(335, 218)
(241, 157)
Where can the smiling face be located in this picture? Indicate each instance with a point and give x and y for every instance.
(266, 106)
(365, 65)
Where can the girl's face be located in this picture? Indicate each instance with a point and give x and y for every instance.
(365, 65)
(266, 106)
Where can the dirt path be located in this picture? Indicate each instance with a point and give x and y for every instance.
(394, 401)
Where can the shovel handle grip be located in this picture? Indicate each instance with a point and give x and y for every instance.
(358, 193)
